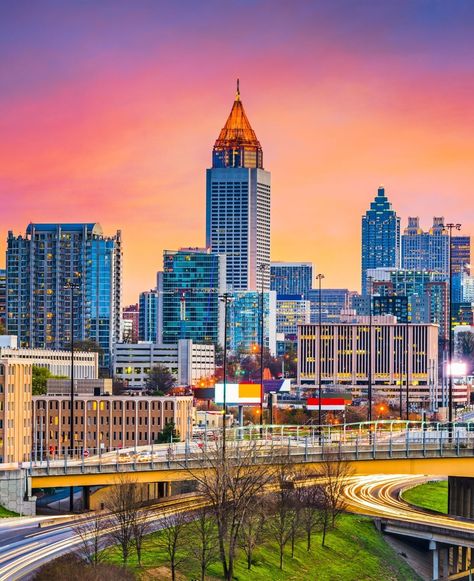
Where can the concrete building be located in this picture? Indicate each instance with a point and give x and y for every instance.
(188, 361)
(99, 386)
(15, 409)
(189, 288)
(291, 278)
(148, 316)
(346, 354)
(130, 323)
(86, 364)
(40, 266)
(380, 236)
(244, 321)
(238, 204)
(105, 423)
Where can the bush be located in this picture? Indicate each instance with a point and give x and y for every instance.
(73, 568)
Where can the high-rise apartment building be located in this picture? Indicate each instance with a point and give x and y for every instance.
(291, 278)
(188, 290)
(40, 266)
(291, 311)
(461, 265)
(148, 316)
(380, 236)
(130, 323)
(238, 203)
(425, 250)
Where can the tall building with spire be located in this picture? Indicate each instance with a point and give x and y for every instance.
(380, 236)
(238, 203)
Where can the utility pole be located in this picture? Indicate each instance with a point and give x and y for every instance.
(262, 268)
(225, 298)
(369, 369)
(319, 278)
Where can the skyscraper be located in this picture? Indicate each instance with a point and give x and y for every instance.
(3, 297)
(291, 278)
(39, 267)
(380, 236)
(425, 250)
(148, 316)
(188, 290)
(238, 203)
(461, 265)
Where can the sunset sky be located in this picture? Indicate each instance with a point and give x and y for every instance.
(109, 110)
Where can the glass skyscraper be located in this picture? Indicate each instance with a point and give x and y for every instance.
(425, 250)
(238, 203)
(188, 291)
(380, 236)
(148, 316)
(3, 297)
(291, 278)
(39, 267)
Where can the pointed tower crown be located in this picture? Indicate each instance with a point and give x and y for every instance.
(237, 144)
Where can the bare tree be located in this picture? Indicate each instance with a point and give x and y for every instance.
(90, 530)
(252, 529)
(228, 478)
(334, 472)
(141, 526)
(204, 546)
(311, 498)
(172, 539)
(124, 508)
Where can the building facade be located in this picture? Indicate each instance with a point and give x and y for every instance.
(105, 423)
(189, 362)
(189, 288)
(291, 278)
(40, 267)
(380, 236)
(291, 311)
(3, 298)
(425, 250)
(15, 409)
(130, 323)
(238, 204)
(348, 349)
(148, 316)
(333, 302)
(86, 364)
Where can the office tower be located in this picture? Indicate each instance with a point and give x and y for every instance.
(425, 250)
(3, 298)
(42, 263)
(380, 236)
(291, 311)
(244, 328)
(391, 305)
(189, 288)
(345, 357)
(130, 323)
(291, 278)
(148, 316)
(461, 264)
(333, 302)
(238, 203)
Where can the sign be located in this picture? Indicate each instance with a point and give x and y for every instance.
(238, 393)
(327, 404)
(86, 453)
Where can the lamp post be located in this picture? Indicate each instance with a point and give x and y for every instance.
(72, 285)
(262, 267)
(369, 367)
(407, 367)
(225, 298)
(449, 228)
(319, 278)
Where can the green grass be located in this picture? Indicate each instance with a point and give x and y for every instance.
(4, 512)
(431, 495)
(355, 551)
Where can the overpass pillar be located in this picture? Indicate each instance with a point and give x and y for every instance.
(461, 496)
(435, 550)
(86, 498)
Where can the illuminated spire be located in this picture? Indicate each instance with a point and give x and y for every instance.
(237, 144)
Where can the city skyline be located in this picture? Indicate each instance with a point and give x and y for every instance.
(341, 100)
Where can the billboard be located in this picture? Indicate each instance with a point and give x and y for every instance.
(327, 404)
(238, 393)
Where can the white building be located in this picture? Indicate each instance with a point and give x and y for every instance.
(347, 350)
(86, 364)
(188, 362)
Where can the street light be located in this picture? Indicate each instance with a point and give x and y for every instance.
(225, 298)
(262, 267)
(449, 228)
(319, 278)
(369, 368)
(72, 285)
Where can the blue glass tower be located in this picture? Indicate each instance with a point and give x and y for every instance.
(148, 316)
(291, 278)
(380, 236)
(39, 267)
